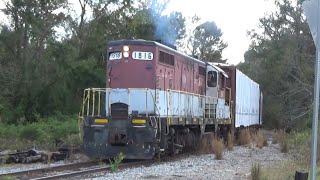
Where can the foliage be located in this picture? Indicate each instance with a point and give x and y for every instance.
(117, 160)
(8, 178)
(281, 60)
(206, 42)
(44, 133)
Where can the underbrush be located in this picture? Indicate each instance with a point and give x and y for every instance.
(298, 144)
(46, 133)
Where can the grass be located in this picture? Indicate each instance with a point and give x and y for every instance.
(230, 142)
(218, 148)
(259, 139)
(8, 178)
(244, 137)
(299, 145)
(256, 171)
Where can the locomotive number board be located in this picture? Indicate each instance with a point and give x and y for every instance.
(115, 55)
(138, 55)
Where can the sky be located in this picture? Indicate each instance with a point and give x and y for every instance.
(233, 17)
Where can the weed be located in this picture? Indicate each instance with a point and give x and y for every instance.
(265, 142)
(274, 137)
(244, 137)
(282, 138)
(205, 145)
(255, 171)
(230, 142)
(218, 148)
(8, 178)
(117, 160)
(258, 138)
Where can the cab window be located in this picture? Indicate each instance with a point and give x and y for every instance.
(212, 79)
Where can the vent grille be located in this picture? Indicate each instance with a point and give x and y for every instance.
(119, 111)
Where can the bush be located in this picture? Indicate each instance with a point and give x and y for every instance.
(43, 133)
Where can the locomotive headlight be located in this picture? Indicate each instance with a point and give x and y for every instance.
(125, 54)
(126, 48)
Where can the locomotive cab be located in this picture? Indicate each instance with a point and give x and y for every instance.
(216, 88)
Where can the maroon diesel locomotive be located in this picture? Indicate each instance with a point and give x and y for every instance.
(161, 101)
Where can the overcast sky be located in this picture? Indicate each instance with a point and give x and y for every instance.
(233, 17)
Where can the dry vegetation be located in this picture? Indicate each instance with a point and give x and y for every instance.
(256, 171)
(297, 144)
(244, 137)
(259, 139)
(210, 144)
(218, 148)
(280, 136)
(230, 142)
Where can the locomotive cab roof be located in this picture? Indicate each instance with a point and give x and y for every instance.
(219, 69)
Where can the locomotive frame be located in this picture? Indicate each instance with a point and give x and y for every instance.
(159, 101)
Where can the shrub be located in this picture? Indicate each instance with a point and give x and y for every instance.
(43, 133)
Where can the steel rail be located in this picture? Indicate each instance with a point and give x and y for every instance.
(33, 172)
(90, 171)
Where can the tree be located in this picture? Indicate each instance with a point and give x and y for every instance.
(206, 42)
(32, 28)
(281, 60)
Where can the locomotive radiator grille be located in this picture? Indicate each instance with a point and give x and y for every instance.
(119, 111)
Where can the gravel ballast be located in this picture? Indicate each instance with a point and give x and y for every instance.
(236, 164)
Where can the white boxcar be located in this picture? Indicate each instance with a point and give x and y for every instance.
(247, 101)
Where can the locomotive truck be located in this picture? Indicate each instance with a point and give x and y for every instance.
(161, 101)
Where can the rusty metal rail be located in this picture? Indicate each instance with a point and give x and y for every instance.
(91, 171)
(67, 171)
(27, 174)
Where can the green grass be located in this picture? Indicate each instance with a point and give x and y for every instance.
(46, 132)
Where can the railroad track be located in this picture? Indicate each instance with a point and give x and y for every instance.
(34, 172)
(67, 171)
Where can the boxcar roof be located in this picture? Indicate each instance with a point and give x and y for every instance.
(151, 43)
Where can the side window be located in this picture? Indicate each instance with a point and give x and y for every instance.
(212, 79)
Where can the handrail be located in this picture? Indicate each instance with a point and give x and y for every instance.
(91, 104)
